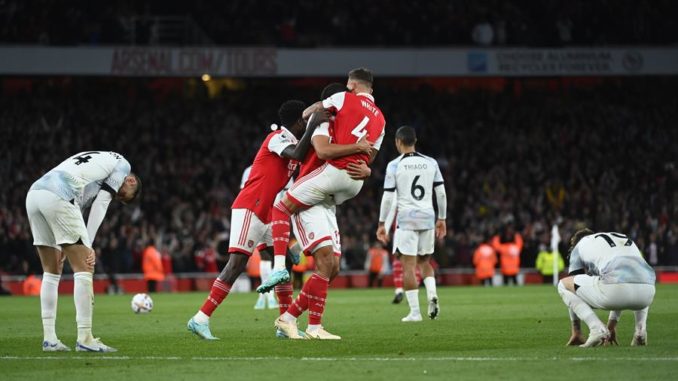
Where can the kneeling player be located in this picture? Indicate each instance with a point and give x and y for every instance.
(607, 271)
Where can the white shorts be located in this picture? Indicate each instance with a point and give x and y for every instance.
(327, 183)
(55, 221)
(248, 232)
(414, 242)
(620, 296)
(317, 227)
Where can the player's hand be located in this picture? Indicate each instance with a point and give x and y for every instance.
(382, 234)
(575, 339)
(321, 116)
(441, 229)
(91, 260)
(363, 145)
(358, 171)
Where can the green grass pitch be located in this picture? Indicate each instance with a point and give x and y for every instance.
(483, 333)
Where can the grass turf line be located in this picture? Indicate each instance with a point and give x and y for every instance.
(498, 333)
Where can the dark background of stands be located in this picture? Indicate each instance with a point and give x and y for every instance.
(525, 152)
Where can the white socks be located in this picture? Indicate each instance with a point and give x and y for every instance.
(264, 273)
(313, 327)
(399, 290)
(580, 308)
(641, 320)
(288, 317)
(83, 295)
(278, 262)
(201, 318)
(49, 295)
(413, 301)
(430, 284)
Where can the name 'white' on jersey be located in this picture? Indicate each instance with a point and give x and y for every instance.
(413, 176)
(612, 256)
(80, 177)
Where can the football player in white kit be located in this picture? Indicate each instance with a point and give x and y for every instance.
(608, 272)
(413, 178)
(55, 205)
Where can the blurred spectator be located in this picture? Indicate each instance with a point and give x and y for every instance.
(152, 267)
(544, 264)
(508, 245)
(31, 285)
(485, 260)
(375, 264)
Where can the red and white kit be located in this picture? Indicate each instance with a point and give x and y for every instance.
(251, 210)
(356, 116)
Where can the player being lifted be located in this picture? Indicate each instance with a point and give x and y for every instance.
(317, 232)
(55, 204)
(412, 177)
(607, 271)
(355, 117)
(251, 210)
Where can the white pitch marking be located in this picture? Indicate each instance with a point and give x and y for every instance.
(452, 358)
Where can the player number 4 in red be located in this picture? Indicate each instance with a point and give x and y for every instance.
(359, 130)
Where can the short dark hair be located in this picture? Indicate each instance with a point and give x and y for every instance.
(137, 192)
(577, 236)
(361, 74)
(331, 89)
(290, 112)
(407, 135)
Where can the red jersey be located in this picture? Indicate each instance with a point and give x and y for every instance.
(355, 116)
(269, 174)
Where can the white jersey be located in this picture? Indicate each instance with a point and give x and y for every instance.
(79, 178)
(612, 256)
(413, 176)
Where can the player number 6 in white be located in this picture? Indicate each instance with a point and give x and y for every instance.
(359, 130)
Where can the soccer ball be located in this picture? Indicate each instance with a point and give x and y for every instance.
(142, 304)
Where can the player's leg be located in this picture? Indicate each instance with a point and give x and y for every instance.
(52, 266)
(397, 279)
(406, 243)
(640, 331)
(51, 259)
(578, 293)
(264, 273)
(246, 230)
(426, 247)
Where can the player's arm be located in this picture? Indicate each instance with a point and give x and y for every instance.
(316, 107)
(387, 200)
(612, 321)
(377, 145)
(441, 200)
(326, 150)
(98, 210)
(298, 151)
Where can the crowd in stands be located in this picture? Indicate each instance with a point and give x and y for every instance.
(307, 23)
(602, 157)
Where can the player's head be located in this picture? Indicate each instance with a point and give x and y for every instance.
(577, 236)
(360, 81)
(290, 115)
(331, 89)
(130, 189)
(405, 138)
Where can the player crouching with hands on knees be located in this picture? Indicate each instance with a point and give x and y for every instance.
(607, 271)
(55, 205)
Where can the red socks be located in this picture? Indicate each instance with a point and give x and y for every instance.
(397, 273)
(284, 293)
(311, 297)
(217, 295)
(280, 226)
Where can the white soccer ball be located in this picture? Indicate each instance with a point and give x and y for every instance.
(142, 304)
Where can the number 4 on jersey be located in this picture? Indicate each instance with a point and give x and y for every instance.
(359, 130)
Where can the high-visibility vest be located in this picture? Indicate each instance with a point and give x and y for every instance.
(485, 260)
